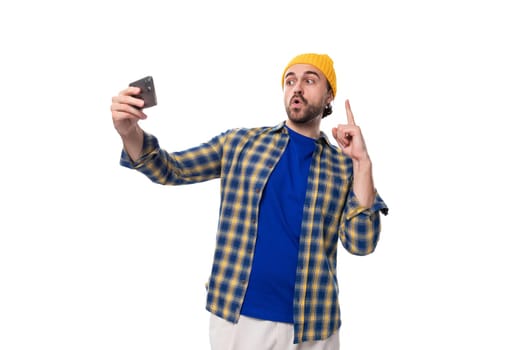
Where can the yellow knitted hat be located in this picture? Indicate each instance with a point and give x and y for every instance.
(320, 61)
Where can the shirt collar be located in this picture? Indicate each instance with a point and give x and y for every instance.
(322, 138)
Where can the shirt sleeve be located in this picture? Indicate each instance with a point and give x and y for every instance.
(193, 165)
(360, 226)
(150, 148)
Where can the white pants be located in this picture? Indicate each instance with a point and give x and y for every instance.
(250, 333)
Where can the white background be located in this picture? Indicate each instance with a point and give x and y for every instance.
(94, 256)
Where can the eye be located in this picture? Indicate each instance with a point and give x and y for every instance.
(290, 82)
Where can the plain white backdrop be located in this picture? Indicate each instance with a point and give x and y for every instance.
(94, 256)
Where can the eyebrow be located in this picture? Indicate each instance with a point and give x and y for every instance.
(305, 73)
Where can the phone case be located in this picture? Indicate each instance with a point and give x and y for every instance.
(147, 91)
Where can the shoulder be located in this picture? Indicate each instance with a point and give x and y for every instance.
(247, 133)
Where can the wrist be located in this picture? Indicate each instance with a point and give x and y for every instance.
(363, 164)
(132, 134)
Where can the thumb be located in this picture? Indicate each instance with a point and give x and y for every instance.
(334, 133)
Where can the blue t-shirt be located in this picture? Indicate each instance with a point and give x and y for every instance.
(271, 285)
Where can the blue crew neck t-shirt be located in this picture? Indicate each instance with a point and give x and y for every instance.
(271, 285)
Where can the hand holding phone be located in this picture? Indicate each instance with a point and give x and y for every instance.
(147, 91)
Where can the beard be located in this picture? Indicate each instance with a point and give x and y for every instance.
(307, 113)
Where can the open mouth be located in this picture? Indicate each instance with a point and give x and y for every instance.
(297, 101)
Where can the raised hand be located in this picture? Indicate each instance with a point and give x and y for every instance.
(126, 113)
(125, 110)
(350, 138)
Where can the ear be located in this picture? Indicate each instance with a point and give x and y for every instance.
(329, 97)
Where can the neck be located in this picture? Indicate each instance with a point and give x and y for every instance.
(310, 129)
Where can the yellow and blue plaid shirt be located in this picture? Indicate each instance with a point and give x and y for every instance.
(243, 160)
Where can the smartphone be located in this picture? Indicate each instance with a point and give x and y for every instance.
(147, 91)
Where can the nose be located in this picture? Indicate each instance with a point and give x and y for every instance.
(298, 88)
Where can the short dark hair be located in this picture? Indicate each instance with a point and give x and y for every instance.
(328, 108)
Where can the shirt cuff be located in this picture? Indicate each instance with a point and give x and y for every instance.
(355, 208)
(150, 147)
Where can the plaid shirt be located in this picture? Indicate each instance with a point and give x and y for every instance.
(243, 160)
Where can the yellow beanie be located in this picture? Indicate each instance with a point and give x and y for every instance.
(320, 61)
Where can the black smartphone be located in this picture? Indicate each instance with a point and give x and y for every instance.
(147, 91)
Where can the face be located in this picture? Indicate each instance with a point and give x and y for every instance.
(305, 93)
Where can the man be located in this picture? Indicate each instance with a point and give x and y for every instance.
(287, 197)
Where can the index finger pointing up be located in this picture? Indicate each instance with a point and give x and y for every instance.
(349, 114)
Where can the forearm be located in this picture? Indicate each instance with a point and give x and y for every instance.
(360, 227)
(363, 185)
(133, 143)
(192, 165)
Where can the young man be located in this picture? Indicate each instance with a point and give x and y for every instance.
(287, 197)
